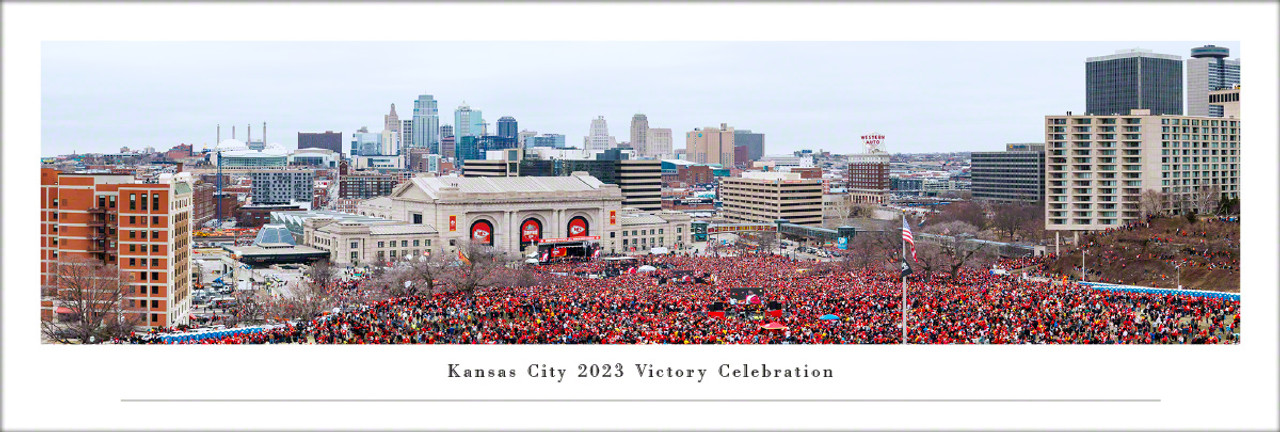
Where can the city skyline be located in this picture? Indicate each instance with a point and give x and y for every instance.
(814, 95)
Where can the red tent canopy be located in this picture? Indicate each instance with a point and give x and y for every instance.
(774, 326)
(63, 309)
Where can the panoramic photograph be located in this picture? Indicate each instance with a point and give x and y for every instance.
(640, 193)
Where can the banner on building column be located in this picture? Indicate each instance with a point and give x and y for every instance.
(613, 217)
(453, 223)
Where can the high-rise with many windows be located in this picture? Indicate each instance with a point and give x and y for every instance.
(1013, 175)
(1133, 79)
(1208, 70)
(640, 134)
(1105, 171)
(710, 145)
(508, 128)
(144, 229)
(598, 136)
(467, 122)
(426, 123)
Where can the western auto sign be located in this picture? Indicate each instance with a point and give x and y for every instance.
(482, 232)
(453, 223)
(578, 227)
(613, 217)
(530, 230)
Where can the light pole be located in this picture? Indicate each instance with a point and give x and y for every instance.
(1179, 267)
(1082, 253)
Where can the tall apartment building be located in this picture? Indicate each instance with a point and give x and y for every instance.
(1133, 79)
(1013, 175)
(448, 146)
(142, 228)
(426, 123)
(658, 143)
(764, 197)
(868, 179)
(754, 142)
(282, 186)
(1103, 171)
(1208, 70)
(640, 134)
(711, 145)
(328, 140)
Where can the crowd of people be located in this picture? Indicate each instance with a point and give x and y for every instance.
(674, 302)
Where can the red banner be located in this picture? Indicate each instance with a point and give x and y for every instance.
(453, 223)
(613, 217)
(530, 231)
(566, 239)
(482, 232)
(578, 227)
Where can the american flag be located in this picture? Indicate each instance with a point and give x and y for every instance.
(906, 237)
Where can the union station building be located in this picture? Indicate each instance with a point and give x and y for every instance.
(443, 214)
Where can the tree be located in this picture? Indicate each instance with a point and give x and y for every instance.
(250, 307)
(93, 298)
(1151, 202)
(1207, 199)
(968, 212)
(949, 250)
(1009, 219)
(305, 301)
(321, 273)
(844, 211)
(480, 268)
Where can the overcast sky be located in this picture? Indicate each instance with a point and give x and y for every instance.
(923, 96)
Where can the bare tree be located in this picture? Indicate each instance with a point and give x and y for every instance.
(250, 307)
(305, 301)
(968, 212)
(477, 269)
(1008, 219)
(1151, 202)
(1207, 199)
(92, 298)
(951, 251)
(322, 274)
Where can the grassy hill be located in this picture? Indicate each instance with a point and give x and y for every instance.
(1209, 252)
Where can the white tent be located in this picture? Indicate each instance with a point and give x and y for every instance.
(659, 251)
(646, 268)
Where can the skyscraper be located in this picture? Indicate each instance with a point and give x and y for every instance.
(1207, 70)
(710, 145)
(598, 136)
(467, 122)
(507, 128)
(426, 123)
(754, 142)
(658, 142)
(392, 121)
(406, 134)
(446, 130)
(1133, 79)
(640, 134)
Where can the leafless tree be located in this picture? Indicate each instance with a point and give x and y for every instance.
(1207, 198)
(479, 268)
(1151, 202)
(951, 252)
(322, 274)
(1008, 219)
(250, 307)
(305, 301)
(95, 298)
(968, 212)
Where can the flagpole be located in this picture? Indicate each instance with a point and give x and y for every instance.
(904, 282)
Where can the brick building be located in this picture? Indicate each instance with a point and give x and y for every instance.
(143, 228)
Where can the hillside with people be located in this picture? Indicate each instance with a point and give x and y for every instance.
(1150, 253)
